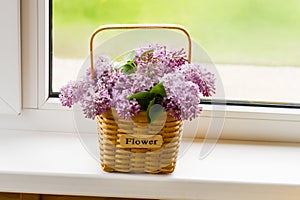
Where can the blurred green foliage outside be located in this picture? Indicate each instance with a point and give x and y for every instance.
(262, 32)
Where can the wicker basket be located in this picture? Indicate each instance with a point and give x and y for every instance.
(134, 145)
(157, 157)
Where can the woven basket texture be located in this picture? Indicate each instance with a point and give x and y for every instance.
(115, 158)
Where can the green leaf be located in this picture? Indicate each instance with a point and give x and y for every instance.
(148, 110)
(139, 95)
(154, 111)
(158, 89)
(120, 65)
(131, 63)
(142, 97)
(128, 69)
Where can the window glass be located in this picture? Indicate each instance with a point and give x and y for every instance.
(255, 44)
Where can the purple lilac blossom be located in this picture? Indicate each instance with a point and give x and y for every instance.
(200, 76)
(71, 93)
(125, 86)
(147, 74)
(103, 71)
(127, 109)
(172, 107)
(166, 61)
(91, 93)
(183, 82)
(178, 58)
(95, 102)
(183, 95)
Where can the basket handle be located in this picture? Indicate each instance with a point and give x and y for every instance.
(138, 26)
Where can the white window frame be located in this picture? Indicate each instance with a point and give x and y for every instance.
(10, 49)
(42, 113)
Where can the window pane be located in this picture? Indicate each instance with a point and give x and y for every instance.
(255, 44)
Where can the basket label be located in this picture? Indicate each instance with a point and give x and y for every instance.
(142, 141)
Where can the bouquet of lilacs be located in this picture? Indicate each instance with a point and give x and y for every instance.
(147, 76)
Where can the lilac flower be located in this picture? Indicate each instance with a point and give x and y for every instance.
(127, 109)
(204, 79)
(172, 107)
(183, 97)
(70, 93)
(91, 93)
(183, 84)
(95, 102)
(166, 61)
(177, 59)
(125, 86)
(103, 72)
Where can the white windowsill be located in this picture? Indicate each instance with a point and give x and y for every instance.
(56, 163)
